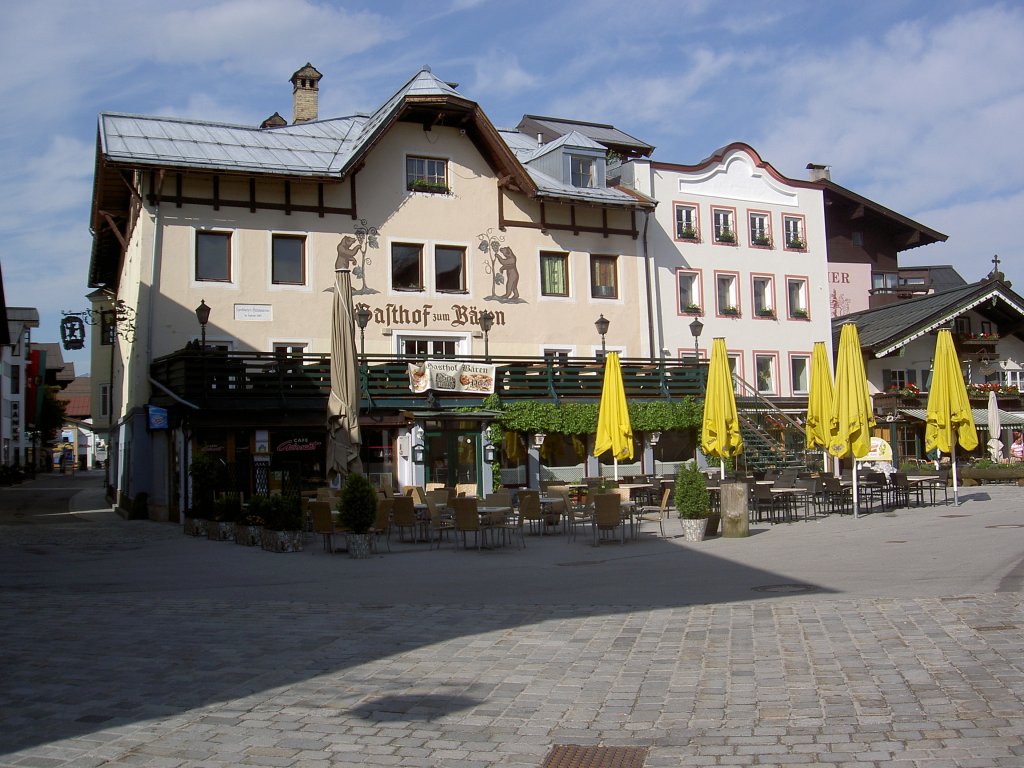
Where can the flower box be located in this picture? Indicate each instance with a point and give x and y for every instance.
(281, 541)
(248, 535)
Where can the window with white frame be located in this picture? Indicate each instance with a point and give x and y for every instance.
(725, 289)
(288, 260)
(799, 374)
(686, 222)
(406, 267)
(884, 282)
(582, 171)
(554, 273)
(604, 279)
(426, 347)
(760, 229)
(796, 290)
(764, 368)
(734, 370)
(426, 174)
(1014, 379)
(725, 225)
(689, 292)
(449, 269)
(213, 256)
(286, 348)
(764, 297)
(793, 227)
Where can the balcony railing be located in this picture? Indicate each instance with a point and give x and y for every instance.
(233, 380)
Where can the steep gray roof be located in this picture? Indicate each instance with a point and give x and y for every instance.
(607, 135)
(321, 148)
(886, 329)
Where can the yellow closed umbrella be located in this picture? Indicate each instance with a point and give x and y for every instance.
(614, 432)
(819, 401)
(851, 417)
(720, 430)
(950, 418)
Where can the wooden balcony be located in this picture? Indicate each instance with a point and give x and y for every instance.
(254, 380)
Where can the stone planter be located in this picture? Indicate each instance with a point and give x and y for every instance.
(693, 530)
(281, 541)
(248, 535)
(359, 545)
(196, 526)
(218, 531)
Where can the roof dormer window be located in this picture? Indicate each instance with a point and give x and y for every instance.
(583, 171)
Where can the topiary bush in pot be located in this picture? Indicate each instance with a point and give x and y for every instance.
(357, 512)
(693, 502)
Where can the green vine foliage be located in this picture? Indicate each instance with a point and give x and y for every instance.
(581, 418)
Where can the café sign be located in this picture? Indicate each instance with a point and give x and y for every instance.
(451, 376)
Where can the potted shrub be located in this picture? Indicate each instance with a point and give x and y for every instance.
(226, 512)
(357, 512)
(693, 502)
(249, 527)
(205, 472)
(282, 524)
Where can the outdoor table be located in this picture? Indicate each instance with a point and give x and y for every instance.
(791, 495)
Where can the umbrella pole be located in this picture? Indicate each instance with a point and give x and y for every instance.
(952, 460)
(856, 503)
(615, 463)
(721, 473)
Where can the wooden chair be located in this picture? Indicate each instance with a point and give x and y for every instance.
(403, 517)
(323, 523)
(576, 515)
(382, 524)
(441, 521)
(655, 514)
(608, 516)
(467, 520)
(530, 512)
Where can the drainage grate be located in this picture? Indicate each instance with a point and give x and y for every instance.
(785, 588)
(577, 756)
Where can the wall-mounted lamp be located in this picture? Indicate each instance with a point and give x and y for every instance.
(418, 452)
(602, 324)
(486, 323)
(538, 439)
(363, 316)
(653, 438)
(490, 453)
(695, 328)
(203, 316)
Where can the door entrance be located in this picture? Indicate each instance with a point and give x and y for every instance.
(453, 457)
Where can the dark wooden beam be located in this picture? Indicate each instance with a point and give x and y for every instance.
(216, 193)
(252, 195)
(114, 228)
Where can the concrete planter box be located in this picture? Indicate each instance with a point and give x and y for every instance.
(281, 541)
(217, 531)
(1008, 474)
(248, 535)
(196, 526)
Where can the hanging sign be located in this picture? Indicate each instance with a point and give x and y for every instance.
(451, 376)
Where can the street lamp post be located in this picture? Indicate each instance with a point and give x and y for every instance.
(363, 316)
(602, 324)
(486, 323)
(203, 316)
(695, 328)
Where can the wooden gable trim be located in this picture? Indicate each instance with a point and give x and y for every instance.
(573, 226)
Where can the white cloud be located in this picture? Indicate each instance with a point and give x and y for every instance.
(500, 71)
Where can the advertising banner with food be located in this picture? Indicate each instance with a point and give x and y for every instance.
(451, 376)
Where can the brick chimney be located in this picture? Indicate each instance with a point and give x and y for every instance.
(818, 172)
(305, 86)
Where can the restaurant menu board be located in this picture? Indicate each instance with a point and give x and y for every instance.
(451, 376)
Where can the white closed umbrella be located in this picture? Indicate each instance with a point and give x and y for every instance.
(995, 426)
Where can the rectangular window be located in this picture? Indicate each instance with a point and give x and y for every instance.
(604, 280)
(288, 260)
(883, 282)
(426, 174)
(725, 225)
(799, 372)
(689, 292)
(796, 292)
(426, 347)
(734, 371)
(793, 226)
(15, 379)
(760, 229)
(108, 327)
(764, 367)
(686, 222)
(449, 269)
(554, 273)
(406, 267)
(213, 256)
(725, 289)
(764, 297)
(582, 171)
(1014, 379)
(105, 400)
(287, 348)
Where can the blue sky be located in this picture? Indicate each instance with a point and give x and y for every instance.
(916, 104)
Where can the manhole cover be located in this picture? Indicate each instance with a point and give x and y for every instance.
(1006, 525)
(576, 756)
(785, 588)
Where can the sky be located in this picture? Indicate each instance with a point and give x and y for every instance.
(915, 104)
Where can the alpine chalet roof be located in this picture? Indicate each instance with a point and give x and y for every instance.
(330, 148)
(884, 330)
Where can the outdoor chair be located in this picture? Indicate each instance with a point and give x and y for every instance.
(576, 515)
(403, 517)
(902, 490)
(764, 502)
(530, 512)
(323, 523)
(838, 496)
(441, 521)
(655, 514)
(382, 524)
(938, 479)
(467, 520)
(608, 516)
